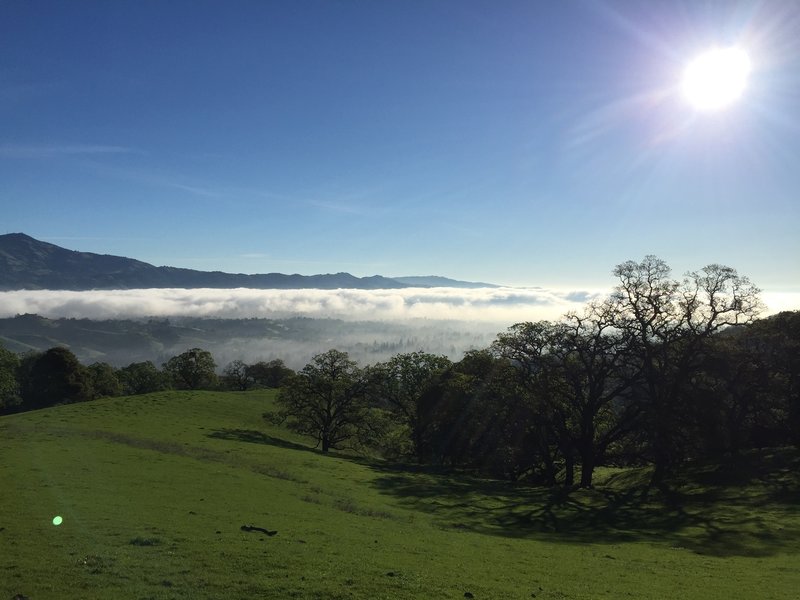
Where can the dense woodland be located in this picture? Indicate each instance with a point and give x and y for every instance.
(662, 372)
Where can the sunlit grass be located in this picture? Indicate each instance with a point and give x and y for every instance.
(154, 491)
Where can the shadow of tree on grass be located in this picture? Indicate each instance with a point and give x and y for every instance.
(758, 516)
(745, 507)
(251, 436)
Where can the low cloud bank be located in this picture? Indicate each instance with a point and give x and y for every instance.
(382, 323)
(488, 305)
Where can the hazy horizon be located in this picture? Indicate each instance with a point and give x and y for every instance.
(501, 306)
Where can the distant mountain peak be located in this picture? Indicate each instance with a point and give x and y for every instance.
(28, 263)
(439, 281)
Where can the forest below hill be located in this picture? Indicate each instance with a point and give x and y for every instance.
(293, 340)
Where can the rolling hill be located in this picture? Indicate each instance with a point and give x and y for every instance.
(167, 495)
(27, 263)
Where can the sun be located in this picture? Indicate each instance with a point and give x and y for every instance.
(716, 79)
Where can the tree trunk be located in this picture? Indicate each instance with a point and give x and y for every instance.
(587, 468)
(659, 473)
(587, 450)
(418, 443)
(549, 466)
(569, 470)
(326, 444)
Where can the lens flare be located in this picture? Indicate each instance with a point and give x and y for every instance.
(716, 79)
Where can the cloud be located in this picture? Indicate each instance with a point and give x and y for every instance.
(777, 301)
(384, 322)
(51, 150)
(503, 306)
(254, 255)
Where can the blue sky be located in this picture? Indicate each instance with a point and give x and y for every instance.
(523, 143)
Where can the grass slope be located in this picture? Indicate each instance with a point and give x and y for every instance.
(153, 491)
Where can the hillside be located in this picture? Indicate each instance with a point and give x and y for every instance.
(27, 263)
(154, 490)
(295, 340)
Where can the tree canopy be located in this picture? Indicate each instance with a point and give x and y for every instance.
(56, 377)
(327, 400)
(192, 370)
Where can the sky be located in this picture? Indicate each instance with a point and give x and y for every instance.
(519, 143)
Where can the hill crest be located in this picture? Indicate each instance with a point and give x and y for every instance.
(28, 263)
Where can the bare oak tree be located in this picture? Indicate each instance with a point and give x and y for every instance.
(667, 325)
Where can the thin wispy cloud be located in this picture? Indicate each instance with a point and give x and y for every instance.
(335, 197)
(192, 189)
(254, 255)
(155, 177)
(337, 207)
(34, 151)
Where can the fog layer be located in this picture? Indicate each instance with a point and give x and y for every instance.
(490, 305)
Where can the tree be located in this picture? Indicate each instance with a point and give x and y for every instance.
(105, 381)
(401, 382)
(476, 414)
(774, 344)
(55, 377)
(25, 375)
(270, 374)
(192, 370)
(9, 385)
(667, 326)
(235, 375)
(575, 370)
(142, 378)
(327, 400)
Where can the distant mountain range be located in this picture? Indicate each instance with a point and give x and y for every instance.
(437, 281)
(27, 263)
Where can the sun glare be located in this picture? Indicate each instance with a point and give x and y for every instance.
(716, 79)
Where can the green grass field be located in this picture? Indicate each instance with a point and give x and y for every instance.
(153, 491)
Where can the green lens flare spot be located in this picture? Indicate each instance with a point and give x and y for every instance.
(57, 521)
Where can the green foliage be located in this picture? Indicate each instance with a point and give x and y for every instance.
(192, 370)
(327, 400)
(477, 415)
(143, 378)
(578, 375)
(9, 386)
(775, 344)
(400, 383)
(238, 375)
(272, 374)
(235, 376)
(54, 377)
(105, 381)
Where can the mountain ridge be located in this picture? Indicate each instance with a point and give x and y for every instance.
(439, 281)
(28, 263)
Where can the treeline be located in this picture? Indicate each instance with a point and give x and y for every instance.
(661, 372)
(41, 379)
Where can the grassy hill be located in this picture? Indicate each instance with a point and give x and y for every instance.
(153, 492)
